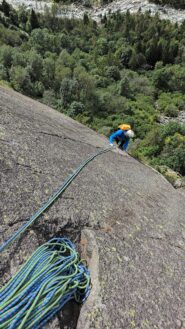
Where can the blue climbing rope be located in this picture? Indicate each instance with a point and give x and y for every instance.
(51, 277)
(51, 200)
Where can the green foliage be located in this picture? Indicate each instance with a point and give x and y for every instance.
(35, 65)
(75, 109)
(143, 114)
(42, 40)
(164, 145)
(38, 89)
(171, 103)
(124, 87)
(113, 72)
(102, 46)
(129, 68)
(48, 73)
(133, 84)
(20, 79)
(18, 58)
(69, 90)
(173, 153)
(5, 7)
(172, 128)
(137, 60)
(105, 131)
(33, 20)
(3, 73)
(6, 56)
(86, 19)
(170, 78)
(49, 98)
(9, 37)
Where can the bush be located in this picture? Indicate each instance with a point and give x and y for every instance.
(3, 73)
(113, 73)
(105, 131)
(20, 80)
(75, 109)
(49, 98)
(68, 91)
(171, 128)
(101, 82)
(170, 104)
(164, 145)
(170, 78)
(6, 56)
(171, 110)
(38, 89)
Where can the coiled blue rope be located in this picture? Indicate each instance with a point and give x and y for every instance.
(51, 200)
(51, 277)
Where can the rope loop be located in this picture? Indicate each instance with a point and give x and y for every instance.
(51, 277)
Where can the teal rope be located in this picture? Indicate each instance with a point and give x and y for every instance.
(51, 199)
(51, 277)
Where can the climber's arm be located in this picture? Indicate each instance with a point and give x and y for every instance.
(114, 135)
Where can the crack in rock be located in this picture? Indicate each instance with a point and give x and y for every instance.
(5, 140)
(177, 246)
(93, 305)
(51, 134)
(66, 138)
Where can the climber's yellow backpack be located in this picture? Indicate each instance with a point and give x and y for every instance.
(124, 127)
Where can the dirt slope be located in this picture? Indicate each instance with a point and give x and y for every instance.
(130, 217)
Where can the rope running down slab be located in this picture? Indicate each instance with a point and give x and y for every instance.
(61, 189)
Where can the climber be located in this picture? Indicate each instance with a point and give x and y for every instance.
(122, 136)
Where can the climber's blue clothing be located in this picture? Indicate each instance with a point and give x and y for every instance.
(120, 135)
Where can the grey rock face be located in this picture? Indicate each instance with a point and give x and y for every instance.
(135, 216)
(97, 11)
(180, 118)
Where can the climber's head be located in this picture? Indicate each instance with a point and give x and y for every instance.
(129, 133)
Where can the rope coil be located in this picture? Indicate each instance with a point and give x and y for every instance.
(51, 277)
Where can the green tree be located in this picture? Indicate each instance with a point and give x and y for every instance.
(124, 87)
(5, 7)
(124, 54)
(113, 73)
(6, 56)
(86, 19)
(18, 58)
(22, 17)
(42, 40)
(170, 78)
(3, 73)
(20, 80)
(173, 153)
(102, 46)
(137, 61)
(35, 65)
(48, 74)
(75, 109)
(9, 37)
(14, 17)
(69, 90)
(34, 23)
(86, 86)
(38, 89)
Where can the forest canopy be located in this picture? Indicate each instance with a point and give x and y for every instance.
(129, 68)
